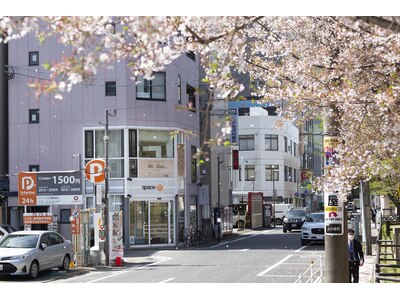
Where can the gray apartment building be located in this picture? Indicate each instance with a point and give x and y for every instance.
(153, 175)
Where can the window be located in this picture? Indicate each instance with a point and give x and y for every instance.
(272, 173)
(156, 144)
(133, 172)
(34, 58)
(286, 174)
(34, 168)
(290, 149)
(294, 149)
(286, 145)
(290, 174)
(65, 213)
(244, 111)
(94, 144)
(191, 91)
(89, 148)
(33, 116)
(151, 89)
(179, 89)
(194, 164)
(271, 142)
(294, 175)
(191, 55)
(246, 142)
(111, 88)
(250, 173)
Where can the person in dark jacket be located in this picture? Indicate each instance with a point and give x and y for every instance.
(356, 257)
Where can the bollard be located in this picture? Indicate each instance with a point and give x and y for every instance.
(118, 261)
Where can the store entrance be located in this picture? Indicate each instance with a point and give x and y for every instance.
(151, 223)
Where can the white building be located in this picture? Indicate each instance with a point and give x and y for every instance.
(268, 156)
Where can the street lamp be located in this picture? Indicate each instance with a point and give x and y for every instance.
(219, 197)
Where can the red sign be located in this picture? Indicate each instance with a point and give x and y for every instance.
(332, 214)
(75, 222)
(94, 170)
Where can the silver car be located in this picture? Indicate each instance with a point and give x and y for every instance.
(28, 252)
(5, 230)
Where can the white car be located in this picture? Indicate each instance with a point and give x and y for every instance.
(29, 252)
(313, 228)
(5, 230)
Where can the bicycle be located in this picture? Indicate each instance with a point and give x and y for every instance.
(186, 238)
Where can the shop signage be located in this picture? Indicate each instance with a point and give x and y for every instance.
(140, 187)
(156, 168)
(47, 188)
(38, 218)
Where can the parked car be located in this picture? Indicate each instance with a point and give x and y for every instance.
(5, 230)
(29, 252)
(294, 219)
(313, 228)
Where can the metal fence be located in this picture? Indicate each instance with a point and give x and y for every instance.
(314, 272)
(387, 265)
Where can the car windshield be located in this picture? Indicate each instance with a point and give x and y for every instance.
(20, 241)
(296, 213)
(316, 218)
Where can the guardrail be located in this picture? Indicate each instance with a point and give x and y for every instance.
(386, 252)
(314, 272)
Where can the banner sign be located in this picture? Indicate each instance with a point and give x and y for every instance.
(48, 188)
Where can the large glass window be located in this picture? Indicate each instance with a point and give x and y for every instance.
(271, 142)
(151, 89)
(115, 144)
(133, 171)
(272, 172)
(89, 145)
(156, 144)
(246, 142)
(94, 143)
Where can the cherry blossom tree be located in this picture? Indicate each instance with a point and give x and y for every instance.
(344, 68)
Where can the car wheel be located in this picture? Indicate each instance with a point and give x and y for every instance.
(65, 264)
(284, 230)
(240, 224)
(303, 242)
(34, 270)
(278, 222)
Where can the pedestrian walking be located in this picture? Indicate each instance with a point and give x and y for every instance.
(356, 257)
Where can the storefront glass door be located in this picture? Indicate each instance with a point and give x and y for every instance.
(151, 223)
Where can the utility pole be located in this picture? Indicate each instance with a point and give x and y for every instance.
(106, 139)
(336, 248)
(365, 216)
(219, 197)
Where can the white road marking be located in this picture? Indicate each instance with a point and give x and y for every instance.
(275, 265)
(129, 270)
(166, 280)
(246, 236)
(298, 250)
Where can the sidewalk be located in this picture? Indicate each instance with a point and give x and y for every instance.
(367, 271)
